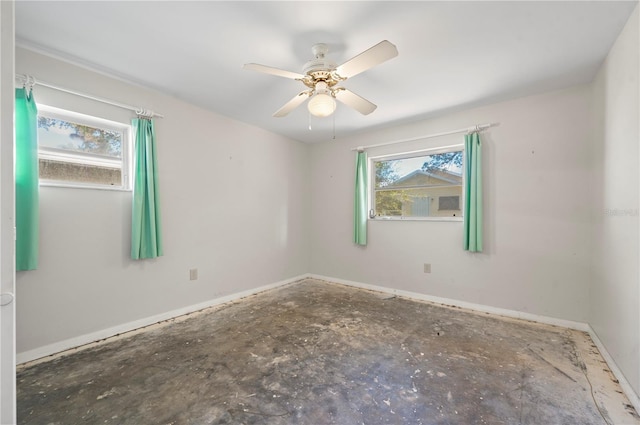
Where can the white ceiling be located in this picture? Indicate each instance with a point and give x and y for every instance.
(452, 54)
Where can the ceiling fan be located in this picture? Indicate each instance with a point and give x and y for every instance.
(322, 76)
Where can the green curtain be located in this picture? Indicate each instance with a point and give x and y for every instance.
(146, 234)
(26, 178)
(473, 193)
(360, 212)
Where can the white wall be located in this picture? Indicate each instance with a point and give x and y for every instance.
(615, 302)
(234, 202)
(538, 207)
(7, 216)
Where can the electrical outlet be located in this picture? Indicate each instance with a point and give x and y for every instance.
(427, 268)
(193, 274)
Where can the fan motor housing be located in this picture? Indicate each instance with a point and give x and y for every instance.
(320, 68)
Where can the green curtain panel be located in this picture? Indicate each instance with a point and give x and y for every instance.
(146, 234)
(26, 177)
(473, 193)
(360, 212)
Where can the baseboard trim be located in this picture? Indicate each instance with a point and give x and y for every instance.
(462, 304)
(59, 348)
(628, 390)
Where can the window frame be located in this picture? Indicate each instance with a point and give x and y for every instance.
(125, 164)
(412, 154)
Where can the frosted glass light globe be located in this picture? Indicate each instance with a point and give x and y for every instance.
(321, 105)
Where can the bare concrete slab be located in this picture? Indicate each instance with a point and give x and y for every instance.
(320, 353)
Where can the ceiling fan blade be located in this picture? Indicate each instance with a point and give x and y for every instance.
(354, 101)
(273, 71)
(292, 104)
(371, 57)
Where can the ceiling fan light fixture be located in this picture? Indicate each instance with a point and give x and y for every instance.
(321, 105)
(322, 76)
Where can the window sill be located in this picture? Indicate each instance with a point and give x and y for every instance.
(453, 219)
(83, 186)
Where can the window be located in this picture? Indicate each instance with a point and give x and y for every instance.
(417, 185)
(79, 150)
(449, 203)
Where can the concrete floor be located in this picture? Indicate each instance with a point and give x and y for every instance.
(319, 353)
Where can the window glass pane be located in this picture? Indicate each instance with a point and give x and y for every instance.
(70, 172)
(419, 186)
(80, 150)
(70, 136)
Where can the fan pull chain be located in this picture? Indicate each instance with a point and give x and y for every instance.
(334, 126)
(309, 121)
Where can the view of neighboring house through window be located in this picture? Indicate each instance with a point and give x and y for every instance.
(420, 185)
(82, 151)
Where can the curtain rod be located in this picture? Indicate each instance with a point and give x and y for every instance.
(473, 129)
(28, 80)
